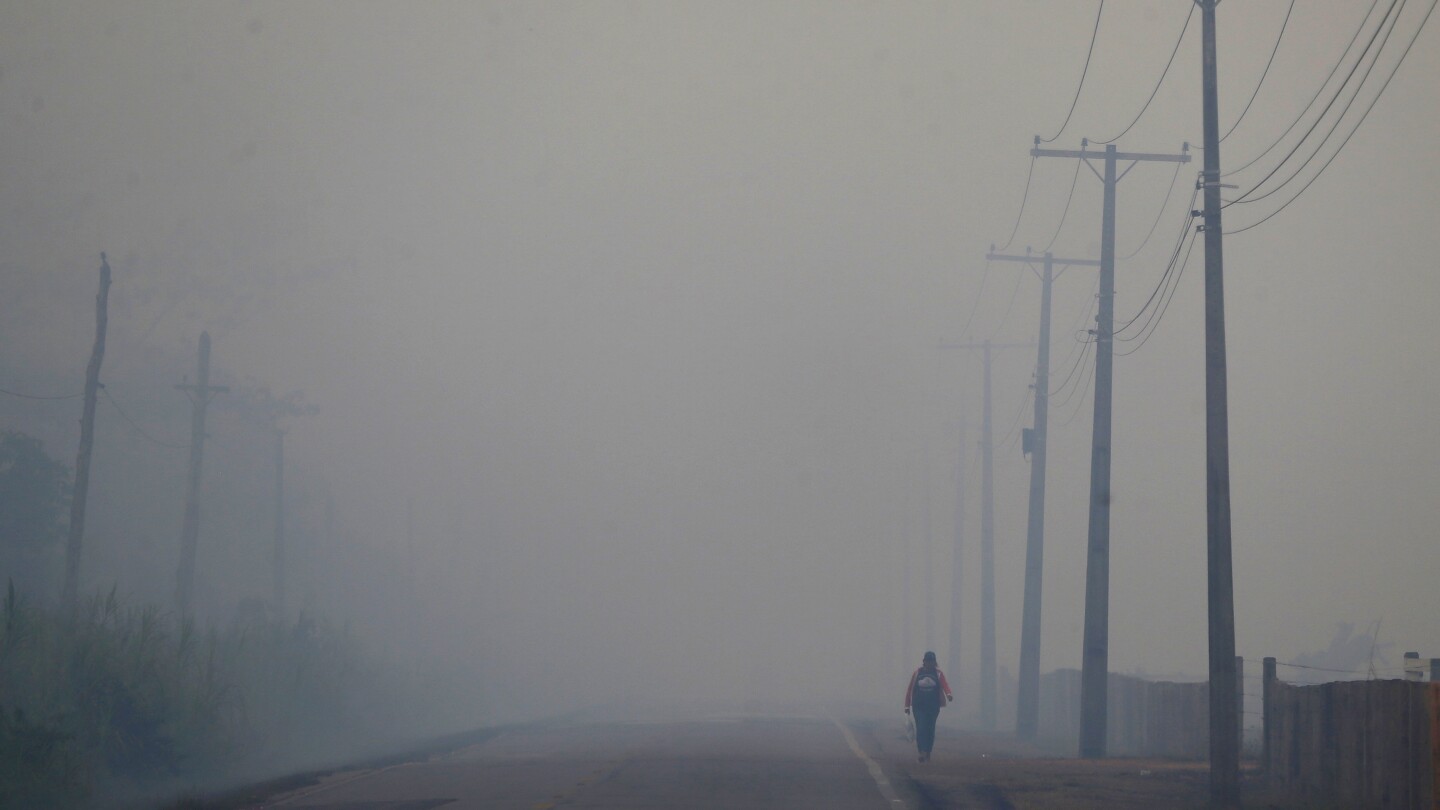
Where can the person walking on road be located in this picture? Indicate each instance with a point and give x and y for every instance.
(927, 693)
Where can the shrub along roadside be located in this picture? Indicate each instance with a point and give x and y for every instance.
(123, 702)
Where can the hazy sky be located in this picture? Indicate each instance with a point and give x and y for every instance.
(638, 303)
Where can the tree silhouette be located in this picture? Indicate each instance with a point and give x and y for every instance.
(34, 500)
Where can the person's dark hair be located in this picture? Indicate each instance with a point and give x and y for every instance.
(929, 657)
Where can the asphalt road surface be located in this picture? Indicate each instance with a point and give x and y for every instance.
(752, 763)
(748, 763)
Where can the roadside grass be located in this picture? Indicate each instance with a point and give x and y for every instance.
(116, 703)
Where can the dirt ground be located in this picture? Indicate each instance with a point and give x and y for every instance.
(977, 770)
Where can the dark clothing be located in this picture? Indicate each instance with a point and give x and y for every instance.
(927, 692)
(928, 684)
(925, 727)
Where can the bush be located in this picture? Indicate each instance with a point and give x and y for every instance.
(38, 766)
(126, 701)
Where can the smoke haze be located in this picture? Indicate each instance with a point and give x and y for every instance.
(622, 323)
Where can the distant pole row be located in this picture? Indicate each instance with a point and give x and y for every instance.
(987, 540)
(1224, 723)
(201, 394)
(1027, 705)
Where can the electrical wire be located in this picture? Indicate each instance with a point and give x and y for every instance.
(1263, 73)
(1069, 363)
(1026, 196)
(32, 396)
(1321, 117)
(1341, 671)
(1185, 230)
(1163, 74)
(980, 293)
(1338, 62)
(1093, 36)
(1083, 389)
(138, 429)
(1009, 305)
(1070, 373)
(1246, 198)
(1168, 192)
(1165, 306)
(1019, 417)
(1065, 213)
(1356, 128)
(1078, 343)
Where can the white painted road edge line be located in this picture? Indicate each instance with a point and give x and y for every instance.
(876, 772)
(304, 793)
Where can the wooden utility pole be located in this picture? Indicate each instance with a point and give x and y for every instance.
(957, 566)
(1094, 674)
(905, 607)
(1027, 703)
(987, 559)
(928, 524)
(1224, 725)
(70, 589)
(200, 395)
(286, 406)
(987, 539)
(279, 558)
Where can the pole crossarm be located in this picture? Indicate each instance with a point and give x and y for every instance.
(986, 346)
(1034, 257)
(205, 393)
(1086, 154)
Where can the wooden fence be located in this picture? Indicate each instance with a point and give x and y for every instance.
(1353, 743)
(1364, 744)
(1144, 718)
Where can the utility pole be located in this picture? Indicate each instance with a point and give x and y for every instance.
(1224, 725)
(1094, 673)
(987, 539)
(279, 523)
(957, 566)
(1027, 704)
(200, 395)
(987, 559)
(905, 649)
(70, 589)
(929, 527)
(275, 409)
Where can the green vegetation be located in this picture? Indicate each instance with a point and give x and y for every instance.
(34, 504)
(123, 702)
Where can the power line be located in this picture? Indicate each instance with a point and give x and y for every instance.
(1339, 90)
(1356, 128)
(1338, 62)
(1341, 671)
(1093, 35)
(1082, 389)
(1165, 306)
(978, 295)
(111, 399)
(1161, 80)
(1079, 342)
(32, 396)
(1263, 73)
(1169, 269)
(1084, 352)
(1246, 198)
(1026, 196)
(1065, 213)
(1165, 203)
(1019, 416)
(1009, 305)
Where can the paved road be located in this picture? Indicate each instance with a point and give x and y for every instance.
(746, 763)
